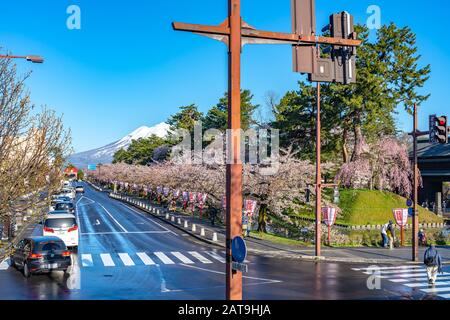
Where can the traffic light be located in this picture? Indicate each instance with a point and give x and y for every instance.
(441, 129)
(340, 67)
(438, 129)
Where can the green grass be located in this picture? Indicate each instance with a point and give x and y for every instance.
(363, 207)
(277, 239)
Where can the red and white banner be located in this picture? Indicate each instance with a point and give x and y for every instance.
(166, 192)
(329, 216)
(250, 207)
(401, 217)
(192, 196)
(159, 189)
(176, 194)
(201, 198)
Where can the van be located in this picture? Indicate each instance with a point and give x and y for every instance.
(63, 226)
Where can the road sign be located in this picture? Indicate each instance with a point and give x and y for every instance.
(401, 216)
(411, 212)
(238, 249)
(409, 203)
(242, 267)
(92, 167)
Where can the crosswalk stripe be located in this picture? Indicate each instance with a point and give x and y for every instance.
(126, 259)
(182, 258)
(416, 279)
(436, 290)
(145, 259)
(445, 296)
(426, 284)
(107, 260)
(397, 271)
(413, 275)
(388, 268)
(215, 256)
(4, 265)
(86, 260)
(198, 256)
(165, 259)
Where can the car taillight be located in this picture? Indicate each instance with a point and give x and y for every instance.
(50, 230)
(66, 254)
(75, 228)
(35, 256)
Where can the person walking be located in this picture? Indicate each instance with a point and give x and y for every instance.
(391, 234)
(433, 262)
(212, 214)
(384, 235)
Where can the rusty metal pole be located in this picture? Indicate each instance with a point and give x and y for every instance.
(415, 229)
(318, 177)
(234, 165)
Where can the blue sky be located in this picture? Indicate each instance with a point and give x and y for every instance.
(126, 67)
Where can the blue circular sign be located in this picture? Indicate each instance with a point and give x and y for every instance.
(409, 203)
(238, 249)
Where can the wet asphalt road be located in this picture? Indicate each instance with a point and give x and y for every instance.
(125, 254)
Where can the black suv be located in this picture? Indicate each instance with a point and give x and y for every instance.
(65, 206)
(41, 255)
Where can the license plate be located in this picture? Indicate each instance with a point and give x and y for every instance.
(51, 266)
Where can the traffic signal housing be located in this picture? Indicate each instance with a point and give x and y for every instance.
(340, 66)
(441, 129)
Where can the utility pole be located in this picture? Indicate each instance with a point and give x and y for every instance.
(415, 236)
(318, 177)
(235, 33)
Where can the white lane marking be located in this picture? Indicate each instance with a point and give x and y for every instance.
(107, 260)
(145, 259)
(118, 232)
(416, 279)
(392, 272)
(4, 265)
(86, 260)
(126, 259)
(199, 257)
(97, 223)
(165, 259)
(182, 257)
(426, 284)
(388, 268)
(215, 256)
(117, 222)
(414, 275)
(436, 290)
(221, 272)
(147, 218)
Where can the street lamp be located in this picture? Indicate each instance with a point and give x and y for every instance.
(31, 58)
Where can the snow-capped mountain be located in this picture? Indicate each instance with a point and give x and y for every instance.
(105, 154)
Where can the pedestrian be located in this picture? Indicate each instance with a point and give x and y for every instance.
(391, 234)
(384, 235)
(422, 238)
(433, 262)
(212, 214)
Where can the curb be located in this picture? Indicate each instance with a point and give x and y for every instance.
(278, 254)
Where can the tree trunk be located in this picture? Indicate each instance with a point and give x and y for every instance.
(345, 155)
(360, 143)
(262, 218)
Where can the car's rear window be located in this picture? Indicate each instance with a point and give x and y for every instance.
(45, 246)
(61, 223)
(64, 206)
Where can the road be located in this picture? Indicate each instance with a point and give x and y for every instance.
(125, 254)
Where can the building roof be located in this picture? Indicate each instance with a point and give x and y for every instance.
(427, 150)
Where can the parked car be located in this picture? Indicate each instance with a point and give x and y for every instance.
(41, 255)
(63, 226)
(65, 206)
(79, 189)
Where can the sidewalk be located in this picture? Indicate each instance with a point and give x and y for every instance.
(215, 235)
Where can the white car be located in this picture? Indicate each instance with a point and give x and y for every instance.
(79, 189)
(63, 226)
(69, 192)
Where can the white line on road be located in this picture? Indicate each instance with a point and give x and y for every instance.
(426, 284)
(86, 260)
(107, 260)
(436, 290)
(388, 268)
(393, 272)
(145, 259)
(117, 222)
(126, 259)
(118, 232)
(165, 259)
(4, 265)
(215, 256)
(182, 258)
(199, 257)
(139, 213)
